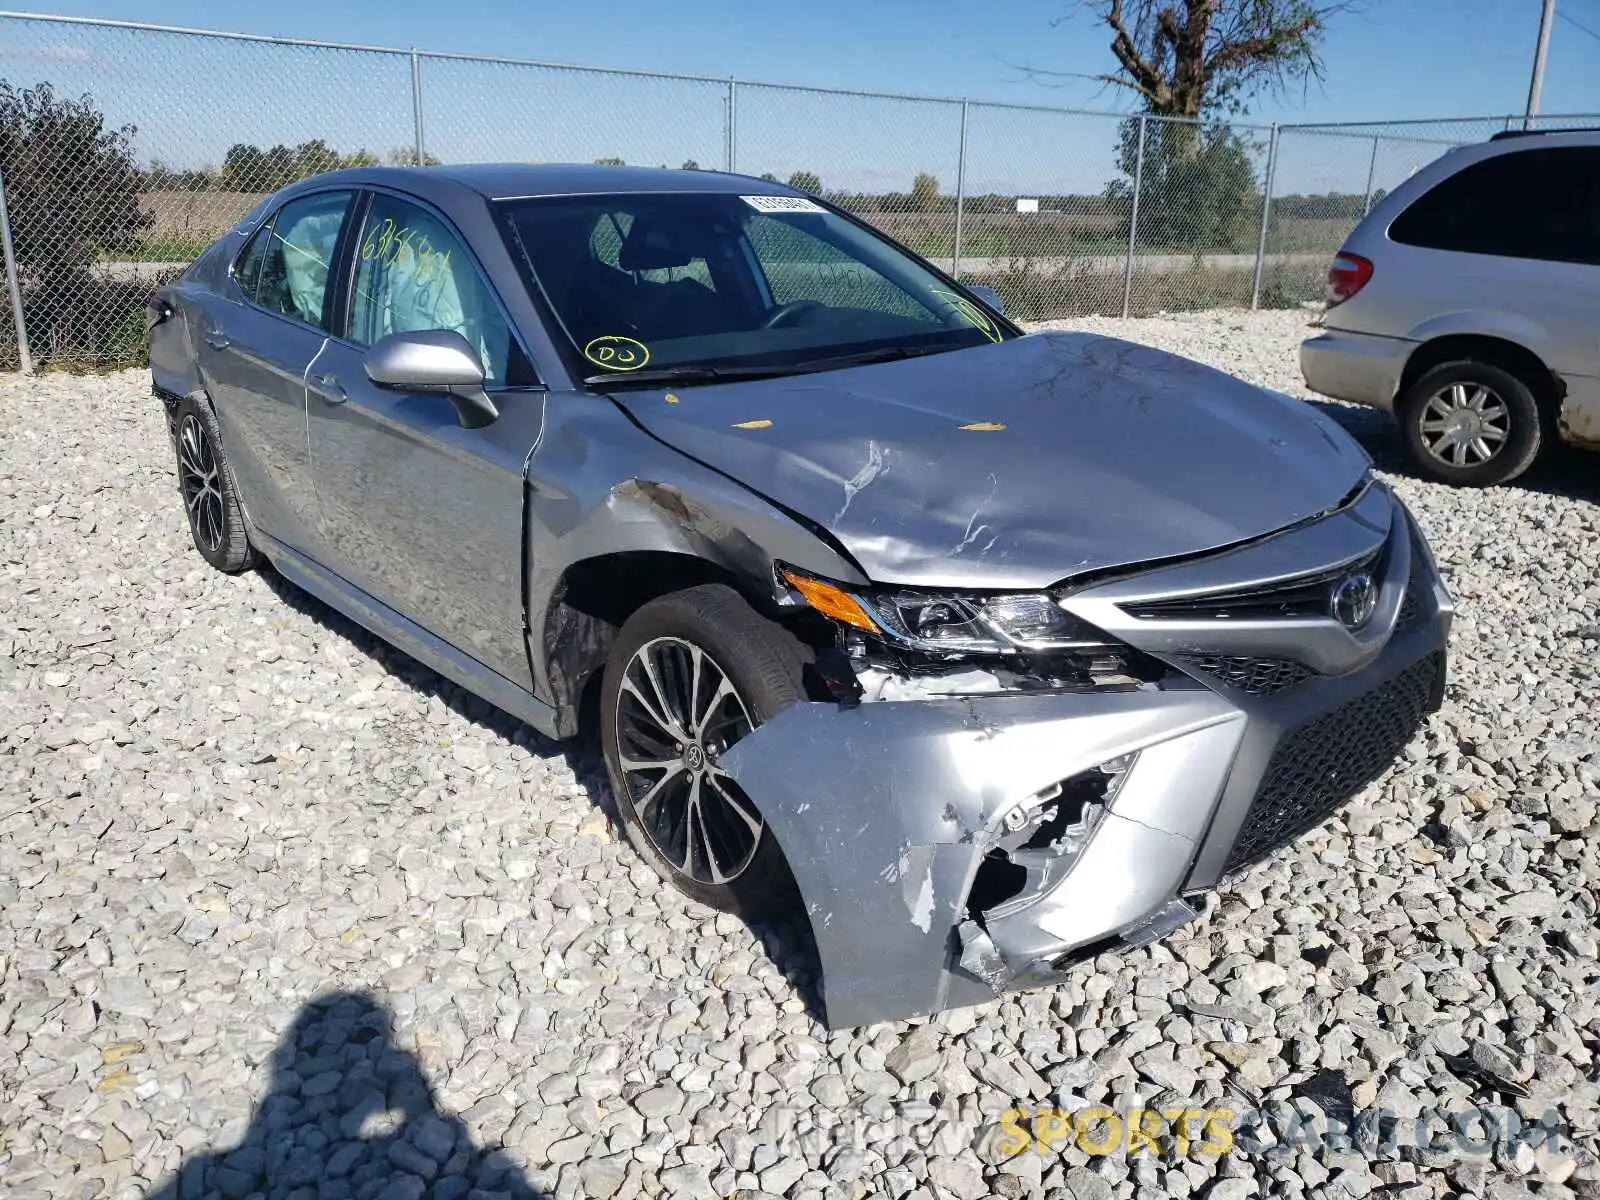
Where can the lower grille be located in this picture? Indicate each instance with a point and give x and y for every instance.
(1253, 676)
(1322, 764)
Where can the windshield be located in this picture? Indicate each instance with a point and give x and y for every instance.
(685, 283)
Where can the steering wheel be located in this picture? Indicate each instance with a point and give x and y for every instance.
(785, 314)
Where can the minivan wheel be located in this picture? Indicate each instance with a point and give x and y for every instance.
(1471, 424)
(689, 676)
(210, 498)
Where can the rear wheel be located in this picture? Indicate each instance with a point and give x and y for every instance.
(1472, 424)
(210, 498)
(690, 676)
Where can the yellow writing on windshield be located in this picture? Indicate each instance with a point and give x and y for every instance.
(617, 353)
(971, 313)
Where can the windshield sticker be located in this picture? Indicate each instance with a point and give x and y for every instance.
(783, 204)
(617, 353)
(971, 313)
(984, 427)
(761, 423)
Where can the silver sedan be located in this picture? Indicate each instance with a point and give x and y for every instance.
(979, 652)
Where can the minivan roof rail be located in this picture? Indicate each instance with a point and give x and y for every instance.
(1506, 134)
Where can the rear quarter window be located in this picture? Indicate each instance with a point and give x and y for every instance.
(1530, 204)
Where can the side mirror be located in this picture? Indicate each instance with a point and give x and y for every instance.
(989, 296)
(433, 360)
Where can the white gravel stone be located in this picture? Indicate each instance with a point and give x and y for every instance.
(221, 801)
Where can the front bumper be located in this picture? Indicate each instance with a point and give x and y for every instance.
(893, 815)
(1359, 367)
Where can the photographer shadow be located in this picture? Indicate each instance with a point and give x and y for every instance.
(349, 1114)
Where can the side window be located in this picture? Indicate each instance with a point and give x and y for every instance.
(293, 274)
(247, 267)
(1536, 204)
(799, 266)
(412, 273)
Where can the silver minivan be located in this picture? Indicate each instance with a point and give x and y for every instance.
(1467, 304)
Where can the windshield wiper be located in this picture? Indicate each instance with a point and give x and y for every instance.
(690, 373)
(686, 374)
(882, 354)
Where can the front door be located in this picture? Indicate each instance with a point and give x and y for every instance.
(420, 513)
(254, 349)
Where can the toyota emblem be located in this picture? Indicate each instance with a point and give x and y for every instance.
(1354, 600)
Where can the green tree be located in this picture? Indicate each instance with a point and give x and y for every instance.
(315, 157)
(806, 181)
(247, 168)
(1198, 189)
(72, 192)
(406, 156)
(609, 162)
(924, 193)
(690, 165)
(243, 168)
(162, 178)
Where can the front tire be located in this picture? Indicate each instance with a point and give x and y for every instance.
(691, 674)
(210, 497)
(1471, 424)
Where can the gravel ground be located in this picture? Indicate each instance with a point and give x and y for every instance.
(286, 912)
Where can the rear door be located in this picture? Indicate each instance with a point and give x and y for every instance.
(420, 513)
(254, 350)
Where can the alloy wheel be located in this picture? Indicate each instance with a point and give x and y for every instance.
(200, 482)
(1465, 424)
(677, 713)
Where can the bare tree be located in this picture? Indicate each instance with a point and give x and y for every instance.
(1186, 58)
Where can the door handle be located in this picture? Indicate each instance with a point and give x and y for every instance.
(333, 390)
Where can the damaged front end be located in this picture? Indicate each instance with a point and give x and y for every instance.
(1000, 791)
(950, 847)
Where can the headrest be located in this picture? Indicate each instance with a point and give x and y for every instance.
(655, 245)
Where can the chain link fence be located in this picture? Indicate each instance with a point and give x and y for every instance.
(125, 149)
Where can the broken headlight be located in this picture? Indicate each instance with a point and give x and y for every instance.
(952, 624)
(995, 624)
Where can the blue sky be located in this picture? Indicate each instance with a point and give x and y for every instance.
(1400, 59)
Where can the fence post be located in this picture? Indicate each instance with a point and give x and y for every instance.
(961, 194)
(13, 285)
(1266, 219)
(416, 106)
(1133, 221)
(730, 152)
(1372, 176)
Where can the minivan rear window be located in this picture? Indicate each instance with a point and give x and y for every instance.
(1537, 204)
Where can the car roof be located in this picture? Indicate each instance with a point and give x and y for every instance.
(507, 181)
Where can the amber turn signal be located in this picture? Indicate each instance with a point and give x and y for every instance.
(830, 601)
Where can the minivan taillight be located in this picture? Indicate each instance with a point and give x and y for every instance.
(1348, 275)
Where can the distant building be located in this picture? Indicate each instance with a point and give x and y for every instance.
(1027, 204)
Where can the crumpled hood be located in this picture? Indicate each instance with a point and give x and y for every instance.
(1020, 464)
